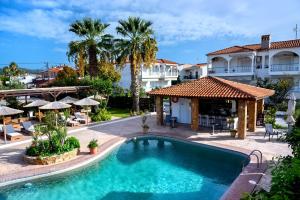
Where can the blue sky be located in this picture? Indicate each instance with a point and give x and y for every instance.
(35, 31)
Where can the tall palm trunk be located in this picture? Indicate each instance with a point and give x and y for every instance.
(93, 71)
(135, 86)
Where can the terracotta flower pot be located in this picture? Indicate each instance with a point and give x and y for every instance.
(93, 150)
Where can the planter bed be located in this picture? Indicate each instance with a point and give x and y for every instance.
(37, 160)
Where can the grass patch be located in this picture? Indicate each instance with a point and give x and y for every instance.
(119, 112)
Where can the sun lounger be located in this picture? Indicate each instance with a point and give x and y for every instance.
(11, 134)
(27, 127)
(72, 123)
(80, 118)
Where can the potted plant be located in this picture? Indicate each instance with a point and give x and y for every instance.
(144, 125)
(93, 146)
(233, 133)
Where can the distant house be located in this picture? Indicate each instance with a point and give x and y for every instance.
(46, 77)
(192, 71)
(159, 75)
(267, 59)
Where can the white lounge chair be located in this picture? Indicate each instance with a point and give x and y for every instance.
(72, 123)
(11, 133)
(80, 118)
(27, 127)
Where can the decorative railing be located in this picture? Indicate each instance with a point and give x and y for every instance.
(240, 69)
(284, 67)
(232, 69)
(214, 70)
(160, 74)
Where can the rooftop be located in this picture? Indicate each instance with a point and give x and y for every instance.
(214, 87)
(257, 47)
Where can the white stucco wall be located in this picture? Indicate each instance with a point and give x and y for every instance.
(182, 110)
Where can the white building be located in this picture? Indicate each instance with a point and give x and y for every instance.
(191, 72)
(161, 74)
(267, 59)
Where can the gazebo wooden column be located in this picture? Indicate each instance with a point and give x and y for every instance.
(159, 110)
(242, 119)
(252, 113)
(195, 114)
(260, 106)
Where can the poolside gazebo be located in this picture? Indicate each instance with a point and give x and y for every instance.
(249, 100)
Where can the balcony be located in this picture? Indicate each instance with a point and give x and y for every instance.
(233, 71)
(284, 67)
(159, 74)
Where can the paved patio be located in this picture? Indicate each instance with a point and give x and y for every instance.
(11, 161)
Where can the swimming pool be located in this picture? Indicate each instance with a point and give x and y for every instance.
(146, 168)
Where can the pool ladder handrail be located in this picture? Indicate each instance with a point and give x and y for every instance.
(259, 161)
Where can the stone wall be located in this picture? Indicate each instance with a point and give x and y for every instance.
(51, 159)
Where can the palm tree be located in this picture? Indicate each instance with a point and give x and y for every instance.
(137, 46)
(12, 70)
(94, 42)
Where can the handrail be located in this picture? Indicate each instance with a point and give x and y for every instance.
(259, 161)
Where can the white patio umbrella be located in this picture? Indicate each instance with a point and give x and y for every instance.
(7, 111)
(55, 105)
(37, 103)
(291, 110)
(86, 102)
(3, 103)
(68, 100)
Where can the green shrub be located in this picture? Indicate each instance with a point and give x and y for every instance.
(56, 141)
(32, 151)
(270, 117)
(72, 142)
(101, 115)
(93, 143)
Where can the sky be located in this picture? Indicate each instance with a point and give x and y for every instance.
(33, 32)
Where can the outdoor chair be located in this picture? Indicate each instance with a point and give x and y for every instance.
(80, 118)
(11, 134)
(271, 132)
(27, 127)
(72, 123)
(167, 120)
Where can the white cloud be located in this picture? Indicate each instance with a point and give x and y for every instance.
(173, 21)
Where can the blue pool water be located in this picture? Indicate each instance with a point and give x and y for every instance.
(150, 168)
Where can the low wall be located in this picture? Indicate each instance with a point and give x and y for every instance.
(51, 159)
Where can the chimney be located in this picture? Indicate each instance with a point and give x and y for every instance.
(265, 41)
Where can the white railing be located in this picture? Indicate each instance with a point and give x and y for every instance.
(240, 69)
(232, 69)
(159, 74)
(215, 70)
(284, 67)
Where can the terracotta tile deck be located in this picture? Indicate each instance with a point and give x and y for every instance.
(13, 167)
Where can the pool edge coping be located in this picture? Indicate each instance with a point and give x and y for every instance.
(233, 192)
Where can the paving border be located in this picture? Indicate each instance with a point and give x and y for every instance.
(3, 146)
(238, 187)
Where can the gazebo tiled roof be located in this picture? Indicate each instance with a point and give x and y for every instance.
(213, 87)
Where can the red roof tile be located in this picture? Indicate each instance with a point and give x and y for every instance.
(165, 61)
(213, 87)
(257, 47)
(201, 64)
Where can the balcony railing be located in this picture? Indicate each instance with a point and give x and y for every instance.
(232, 69)
(214, 70)
(160, 74)
(191, 77)
(284, 67)
(240, 69)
